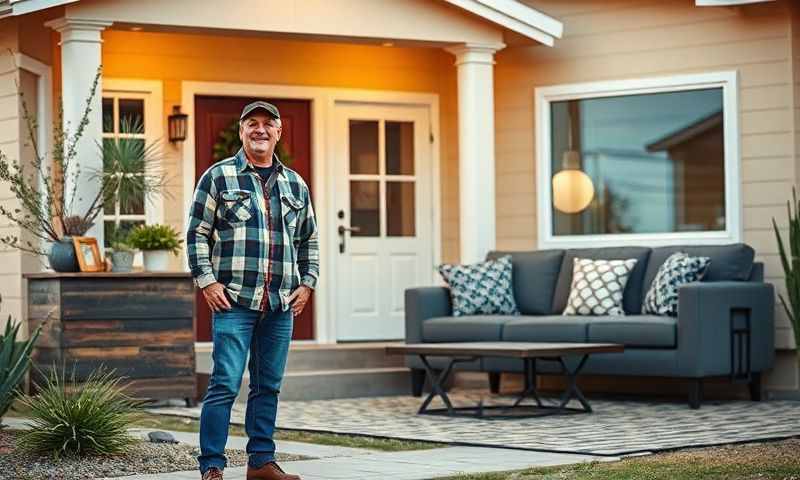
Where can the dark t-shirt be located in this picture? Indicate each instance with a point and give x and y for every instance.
(264, 172)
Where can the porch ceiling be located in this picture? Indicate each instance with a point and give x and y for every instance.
(481, 22)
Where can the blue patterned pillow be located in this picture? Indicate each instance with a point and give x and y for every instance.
(678, 269)
(481, 288)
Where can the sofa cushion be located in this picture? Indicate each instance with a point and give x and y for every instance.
(645, 331)
(468, 328)
(534, 276)
(597, 286)
(631, 297)
(546, 328)
(481, 288)
(679, 269)
(728, 262)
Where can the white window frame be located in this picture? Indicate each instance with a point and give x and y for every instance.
(544, 96)
(152, 93)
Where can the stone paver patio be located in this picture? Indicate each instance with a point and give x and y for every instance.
(617, 427)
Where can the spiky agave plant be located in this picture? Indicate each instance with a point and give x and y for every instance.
(91, 418)
(790, 259)
(15, 358)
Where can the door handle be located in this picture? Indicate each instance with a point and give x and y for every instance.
(342, 230)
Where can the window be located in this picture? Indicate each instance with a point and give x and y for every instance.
(628, 162)
(132, 120)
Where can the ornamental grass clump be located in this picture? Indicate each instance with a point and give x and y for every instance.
(90, 418)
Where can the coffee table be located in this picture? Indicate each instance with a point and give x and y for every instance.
(528, 352)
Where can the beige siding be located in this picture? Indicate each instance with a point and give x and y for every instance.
(10, 260)
(626, 39)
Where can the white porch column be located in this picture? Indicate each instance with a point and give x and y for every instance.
(81, 56)
(475, 64)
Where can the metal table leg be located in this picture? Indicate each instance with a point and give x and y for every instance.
(572, 390)
(530, 381)
(436, 385)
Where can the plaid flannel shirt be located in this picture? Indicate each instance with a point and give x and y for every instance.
(259, 246)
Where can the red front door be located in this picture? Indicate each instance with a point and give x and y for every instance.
(214, 117)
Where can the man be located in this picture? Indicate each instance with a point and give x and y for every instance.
(253, 250)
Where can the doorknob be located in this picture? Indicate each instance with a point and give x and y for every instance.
(342, 230)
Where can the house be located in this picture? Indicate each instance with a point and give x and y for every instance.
(430, 130)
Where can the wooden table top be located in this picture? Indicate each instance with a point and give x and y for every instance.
(84, 275)
(503, 349)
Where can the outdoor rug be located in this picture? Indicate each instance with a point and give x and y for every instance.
(616, 427)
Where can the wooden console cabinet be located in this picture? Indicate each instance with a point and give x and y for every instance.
(140, 324)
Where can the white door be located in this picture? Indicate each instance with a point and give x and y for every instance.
(383, 214)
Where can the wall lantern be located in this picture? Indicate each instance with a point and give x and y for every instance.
(177, 124)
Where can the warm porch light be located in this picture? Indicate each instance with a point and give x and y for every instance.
(572, 188)
(177, 125)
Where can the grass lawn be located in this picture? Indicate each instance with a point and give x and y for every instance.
(762, 461)
(184, 424)
(181, 424)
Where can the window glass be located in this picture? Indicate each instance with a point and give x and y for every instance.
(655, 162)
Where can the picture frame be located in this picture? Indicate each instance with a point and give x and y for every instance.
(88, 253)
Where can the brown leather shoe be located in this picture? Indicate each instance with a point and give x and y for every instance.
(212, 473)
(269, 471)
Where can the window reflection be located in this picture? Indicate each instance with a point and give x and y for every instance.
(656, 162)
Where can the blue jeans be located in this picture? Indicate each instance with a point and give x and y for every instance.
(267, 335)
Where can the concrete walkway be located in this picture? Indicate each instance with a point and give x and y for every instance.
(332, 462)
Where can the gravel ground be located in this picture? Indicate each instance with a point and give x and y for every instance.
(763, 454)
(143, 457)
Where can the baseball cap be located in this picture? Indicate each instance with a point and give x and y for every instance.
(271, 109)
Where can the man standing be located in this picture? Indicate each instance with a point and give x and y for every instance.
(253, 250)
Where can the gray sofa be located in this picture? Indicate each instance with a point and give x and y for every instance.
(724, 327)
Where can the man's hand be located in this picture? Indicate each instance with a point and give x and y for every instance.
(215, 297)
(298, 299)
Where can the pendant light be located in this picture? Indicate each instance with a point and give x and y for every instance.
(572, 188)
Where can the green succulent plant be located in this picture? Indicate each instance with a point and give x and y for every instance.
(15, 358)
(790, 260)
(155, 237)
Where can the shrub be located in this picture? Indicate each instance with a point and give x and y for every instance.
(15, 358)
(92, 417)
(155, 237)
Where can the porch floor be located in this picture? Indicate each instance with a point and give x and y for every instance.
(617, 427)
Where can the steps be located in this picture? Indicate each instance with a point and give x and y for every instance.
(322, 372)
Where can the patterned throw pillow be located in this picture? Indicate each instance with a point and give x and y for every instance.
(597, 286)
(678, 269)
(481, 288)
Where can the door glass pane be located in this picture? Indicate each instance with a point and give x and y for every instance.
(400, 148)
(648, 163)
(131, 113)
(108, 115)
(400, 209)
(365, 208)
(363, 146)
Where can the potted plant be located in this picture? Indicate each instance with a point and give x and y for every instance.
(45, 194)
(156, 242)
(790, 260)
(122, 254)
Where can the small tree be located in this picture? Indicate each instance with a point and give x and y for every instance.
(47, 207)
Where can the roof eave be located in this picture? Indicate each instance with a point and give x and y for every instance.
(516, 17)
(12, 8)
